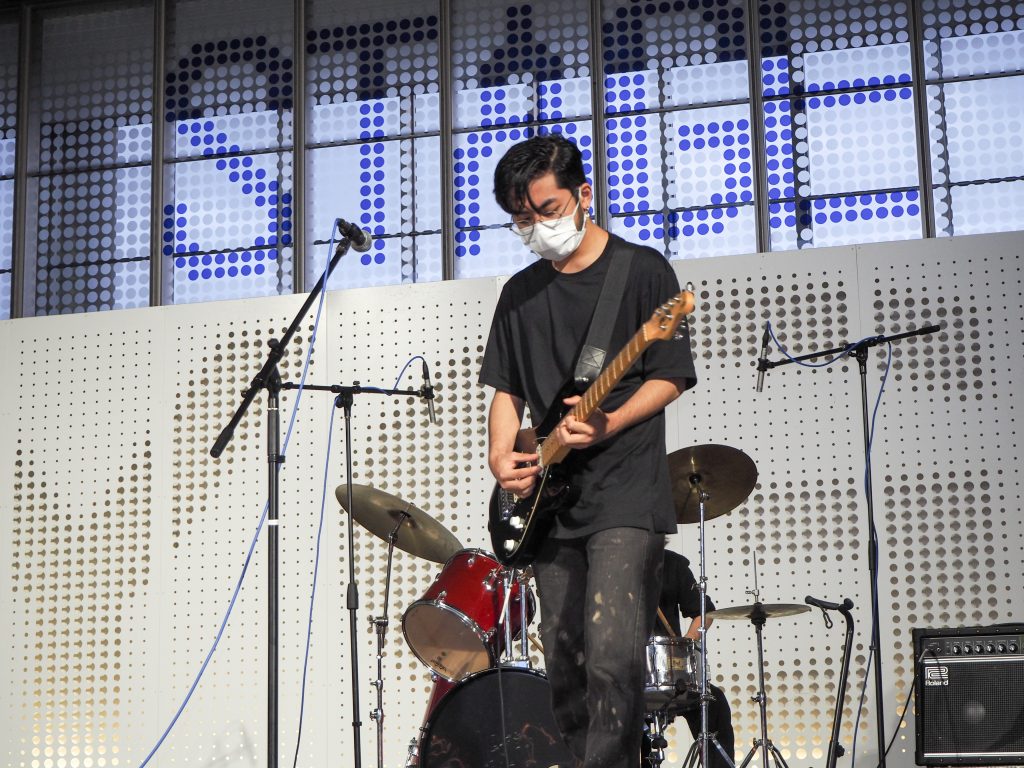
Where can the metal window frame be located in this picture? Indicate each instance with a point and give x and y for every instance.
(26, 16)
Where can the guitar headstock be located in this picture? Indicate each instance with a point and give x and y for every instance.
(666, 318)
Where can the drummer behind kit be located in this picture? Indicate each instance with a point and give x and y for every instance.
(489, 708)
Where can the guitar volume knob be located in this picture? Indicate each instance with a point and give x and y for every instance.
(517, 523)
(509, 545)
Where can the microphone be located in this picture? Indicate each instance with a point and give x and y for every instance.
(763, 358)
(428, 393)
(846, 605)
(359, 238)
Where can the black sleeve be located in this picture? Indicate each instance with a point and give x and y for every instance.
(689, 593)
(656, 284)
(498, 370)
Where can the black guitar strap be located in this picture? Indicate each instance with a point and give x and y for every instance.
(599, 335)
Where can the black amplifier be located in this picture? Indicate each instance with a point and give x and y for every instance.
(969, 696)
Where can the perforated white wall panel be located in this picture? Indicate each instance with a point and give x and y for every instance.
(123, 539)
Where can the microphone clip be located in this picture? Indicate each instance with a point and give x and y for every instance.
(762, 360)
(427, 393)
(359, 239)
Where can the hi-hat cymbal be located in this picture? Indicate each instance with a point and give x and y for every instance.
(378, 512)
(726, 475)
(758, 610)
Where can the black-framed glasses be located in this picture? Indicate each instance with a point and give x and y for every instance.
(523, 224)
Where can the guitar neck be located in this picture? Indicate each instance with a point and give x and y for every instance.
(552, 450)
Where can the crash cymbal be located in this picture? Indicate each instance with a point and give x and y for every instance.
(379, 513)
(727, 475)
(766, 610)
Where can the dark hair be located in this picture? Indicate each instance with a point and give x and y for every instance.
(529, 160)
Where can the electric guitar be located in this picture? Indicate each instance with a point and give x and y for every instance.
(518, 525)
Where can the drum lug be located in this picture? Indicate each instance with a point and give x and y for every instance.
(491, 579)
(441, 596)
(412, 759)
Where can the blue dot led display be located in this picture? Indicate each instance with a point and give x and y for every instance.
(665, 122)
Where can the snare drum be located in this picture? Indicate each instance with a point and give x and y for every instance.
(456, 629)
(673, 673)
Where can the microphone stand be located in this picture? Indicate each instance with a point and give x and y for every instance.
(860, 352)
(269, 379)
(345, 398)
(835, 749)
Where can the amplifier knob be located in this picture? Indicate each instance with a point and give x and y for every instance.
(967, 649)
(1013, 647)
(990, 648)
(1002, 647)
(956, 650)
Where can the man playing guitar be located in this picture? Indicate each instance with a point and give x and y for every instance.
(598, 568)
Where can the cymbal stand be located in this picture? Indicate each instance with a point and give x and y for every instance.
(380, 624)
(700, 746)
(764, 744)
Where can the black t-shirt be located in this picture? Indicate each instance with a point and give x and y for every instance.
(539, 327)
(679, 592)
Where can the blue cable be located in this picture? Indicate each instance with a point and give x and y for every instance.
(312, 596)
(220, 632)
(845, 351)
(405, 367)
(259, 527)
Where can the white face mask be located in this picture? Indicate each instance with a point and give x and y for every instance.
(554, 240)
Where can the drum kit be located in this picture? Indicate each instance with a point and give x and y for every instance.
(489, 707)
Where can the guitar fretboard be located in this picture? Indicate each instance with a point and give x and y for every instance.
(552, 450)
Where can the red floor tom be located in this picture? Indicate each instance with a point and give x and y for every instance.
(456, 628)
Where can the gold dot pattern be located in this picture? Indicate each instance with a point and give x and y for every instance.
(126, 537)
(81, 542)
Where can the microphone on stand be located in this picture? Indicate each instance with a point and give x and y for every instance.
(360, 239)
(763, 358)
(428, 393)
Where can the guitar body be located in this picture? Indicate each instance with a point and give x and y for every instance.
(518, 526)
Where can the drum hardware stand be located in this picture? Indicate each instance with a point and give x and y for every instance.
(269, 378)
(763, 744)
(700, 746)
(380, 624)
(860, 352)
(523, 659)
(655, 724)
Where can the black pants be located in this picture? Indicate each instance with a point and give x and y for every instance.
(598, 598)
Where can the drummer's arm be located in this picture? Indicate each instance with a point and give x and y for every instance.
(694, 631)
